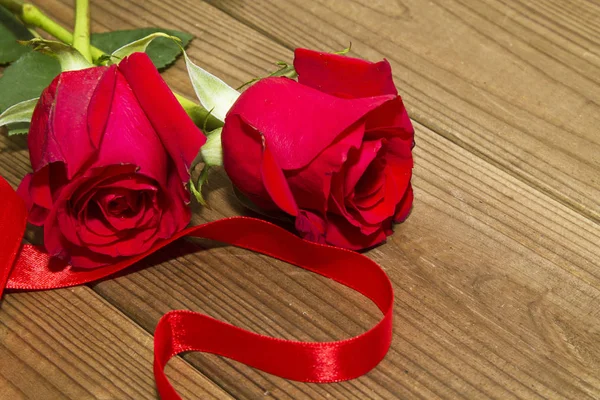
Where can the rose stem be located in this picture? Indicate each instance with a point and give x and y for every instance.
(81, 33)
(32, 16)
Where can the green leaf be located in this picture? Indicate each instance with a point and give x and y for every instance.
(69, 58)
(18, 128)
(162, 51)
(140, 45)
(20, 112)
(26, 78)
(213, 93)
(11, 30)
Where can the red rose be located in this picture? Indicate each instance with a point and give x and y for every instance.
(110, 149)
(333, 149)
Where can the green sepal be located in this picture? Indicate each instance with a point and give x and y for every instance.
(104, 59)
(284, 70)
(18, 117)
(288, 70)
(345, 51)
(196, 189)
(68, 57)
(212, 151)
(213, 93)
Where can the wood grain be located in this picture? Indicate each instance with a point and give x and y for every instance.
(70, 344)
(515, 82)
(496, 271)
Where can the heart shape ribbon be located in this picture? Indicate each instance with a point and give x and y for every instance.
(27, 267)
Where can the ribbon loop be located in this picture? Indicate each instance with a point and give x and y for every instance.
(180, 331)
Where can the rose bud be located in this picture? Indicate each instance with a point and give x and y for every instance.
(110, 149)
(333, 150)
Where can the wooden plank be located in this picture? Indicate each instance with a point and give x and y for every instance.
(497, 286)
(515, 82)
(70, 344)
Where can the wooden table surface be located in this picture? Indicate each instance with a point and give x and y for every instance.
(496, 272)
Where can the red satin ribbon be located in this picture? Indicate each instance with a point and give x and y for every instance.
(179, 331)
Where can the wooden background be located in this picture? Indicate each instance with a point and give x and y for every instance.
(496, 272)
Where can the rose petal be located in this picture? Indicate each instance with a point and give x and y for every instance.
(54, 237)
(342, 233)
(87, 240)
(147, 216)
(344, 206)
(385, 208)
(40, 188)
(311, 185)
(343, 76)
(173, 205)
(275, 183)
(64, 136)
(40, 125)
(371, 185)
(242, 158)
(310, 226)
(100, 105)
(298, 121)
(97, 229)
(149, 213)
(366, 200)
(337, 201)
(129, 212)
(358, 163)
(129, 137)
(391, 116)
(98, 177)
(401, 176)
(176, 130)
(134, 243)
(69, 226)
(404, 207)
(36, 215)
(398, 150)
(54, 241)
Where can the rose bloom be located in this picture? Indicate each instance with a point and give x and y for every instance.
(110, 149)
(333, 150)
